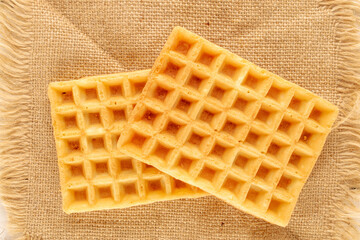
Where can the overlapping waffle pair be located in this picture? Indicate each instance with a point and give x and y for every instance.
(201, 121)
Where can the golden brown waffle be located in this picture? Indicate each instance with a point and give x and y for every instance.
(218, 122)
(88, 116)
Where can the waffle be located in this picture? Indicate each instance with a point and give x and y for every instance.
(218, 122)
(88, 116)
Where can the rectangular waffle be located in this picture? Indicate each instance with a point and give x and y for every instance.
(218, 122)
(88, 116)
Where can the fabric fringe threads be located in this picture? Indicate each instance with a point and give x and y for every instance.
(345, 220)
(15, 41)
(15, 44)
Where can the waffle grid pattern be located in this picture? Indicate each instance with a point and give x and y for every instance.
(218, 122)
(88, 117)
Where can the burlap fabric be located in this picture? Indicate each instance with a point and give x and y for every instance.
(310, 43)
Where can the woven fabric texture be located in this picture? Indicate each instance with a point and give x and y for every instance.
(73, 39)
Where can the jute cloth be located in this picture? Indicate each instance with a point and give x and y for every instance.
(311, 43)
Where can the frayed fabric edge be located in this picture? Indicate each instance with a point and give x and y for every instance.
(15, 44)
(346, 201)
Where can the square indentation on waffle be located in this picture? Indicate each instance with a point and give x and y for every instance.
(222, 150)
(129, 190)
(257, 139)
(301, 102)
(93, 119)
(162, 152)
(175, 128)
(89, 94)
(117, 116)
(198, 139)
(245, 104)
(161, 92)
(246, 163)
(231, 69)
(69, 123)
(235, 127)
(280, 208)
(209, 174)
(74, 170)
(104, 192)
(197, 81)
(274, 114)
(322, 114)
(312, 138)
(137, 86)
(149, 117)
(268, 116)
(234, 186)
(256, 198)
(79, 195)
(290, 184)
(71, 147)
(97, 144)
(64, 95)
(124, 167)
(173, 69)
(186, 105)
(100, 167)
(187, 163)
(279, 151)
(268, 173)
(155, 185)
(116, 91)
(290, 127)
(137, 140)
(256, 81)
(301, 161)
(67, 97)
(280, 92)
(209, 115)
(208, 57)
(220, 93)
(183, 46)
